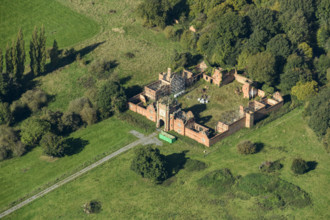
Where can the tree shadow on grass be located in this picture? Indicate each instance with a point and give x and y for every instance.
(311, 166)
(175, 162)
(259, 146)
(75, 146)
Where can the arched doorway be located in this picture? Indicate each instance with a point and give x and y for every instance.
(161, 123)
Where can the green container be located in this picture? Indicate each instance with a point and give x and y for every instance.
(167, 137)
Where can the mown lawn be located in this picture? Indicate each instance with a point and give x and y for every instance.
(61, 23)
(23, 175)
(124, 195)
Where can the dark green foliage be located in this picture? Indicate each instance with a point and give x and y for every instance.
(9, 58)
(19, 49)
(150, 163)
(34, 99)
(261, 67)
(188, 40)
(173, 33)
(318, 112)
(322, 64)
(78, 104)
(323, 13)
(284, 193)
(294, 70)
(55, 120)
(93, 206)
(194, 165)
(54, 54)
(270, 166)
(137, 121)
(10, 145)
(291, 6)
(264, 19)
(218, 181)
(5, 114)
(111, 98)
(101, 67)
(279, 46)
(299, 166)
(246, 147)
(326, 141)
(5, 86)
(53, 145)
(84, 108)
(71, 122)
(19, 111)
(32, 130)
(154, 12)
(38, 54)
(184, 60)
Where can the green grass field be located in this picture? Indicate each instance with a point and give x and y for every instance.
(124, 195)
(221, 100)
(61, 23)
(23, 175)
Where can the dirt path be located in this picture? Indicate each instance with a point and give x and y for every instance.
(151, 139)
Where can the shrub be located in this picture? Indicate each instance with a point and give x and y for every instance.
(93, 206)
(34, 99)
(101, 66)
(218, 181)
(89, 115)
(10, 144)
(129, 55)
(150, 163)
(71, 122)
(32, 130)
(246, 147)
(53, 145)
(78, 104)
(194, 165)
(299, 166)
(137, 121)
(270, 166)
(326, 141)
(5, 114)
(55, 120)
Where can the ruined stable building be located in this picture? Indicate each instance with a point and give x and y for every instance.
(157, 103)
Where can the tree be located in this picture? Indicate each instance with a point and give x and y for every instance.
(263, 19)
(9, 62)
(71, 121)
(38, 51)
(279, 46)
(306, 50)
(322, 64)
(10, 145)
(295, 70)
(261, 68)
(154, 12)
(32, 130)
(53, 145)
(5, 114)
(299, 166)
(92, 206)
(111, 98)
(54, 54)
(5, 86)
(1, 61)
(318, 112)
(246, 147)
(304, 90)
(20, 56)
(323, 13)
(150, 163)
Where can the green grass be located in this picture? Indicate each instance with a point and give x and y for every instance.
(221, 101)
(61, 23)
(20, 176)
(124, 195)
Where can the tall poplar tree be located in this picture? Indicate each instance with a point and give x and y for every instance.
(20, 55)
(42, 49)
(34, 52)
(1, 61)
(9, 63)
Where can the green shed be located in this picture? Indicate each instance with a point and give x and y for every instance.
(167, 137)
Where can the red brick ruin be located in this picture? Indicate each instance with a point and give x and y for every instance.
(157, 103)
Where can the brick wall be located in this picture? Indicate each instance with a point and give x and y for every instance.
(197, 136)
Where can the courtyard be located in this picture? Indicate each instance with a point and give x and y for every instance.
(223, 103)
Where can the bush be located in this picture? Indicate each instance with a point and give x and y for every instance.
(218, 181)
(101, 66)
(32, 130)
(71, 122)
(89, 115)
(55, 120)
(34, 99)
(10, 145)
(299, 166)
(137, 121)
(129, 55)
(93, 206)
(53, 145)
(78, 104)
(270, 166)
(246, 147)
(150, 163)
(194, 165)
(5, 114)
(326, 141)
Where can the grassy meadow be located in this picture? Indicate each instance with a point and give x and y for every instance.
(61, 23)
(124, 195)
